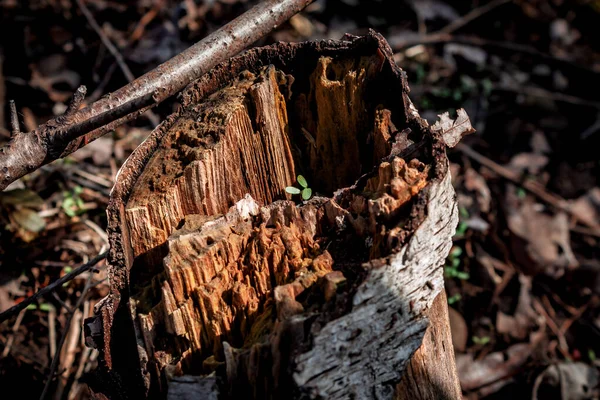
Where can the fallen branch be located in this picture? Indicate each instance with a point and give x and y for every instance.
(530, 185)
(51, 287)
(61, 136)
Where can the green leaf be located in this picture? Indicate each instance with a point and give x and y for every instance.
(42, 307)
(306, 194)
(463, 276)
(29, 220)
(302, 181)
(481, 340)
(456, 252)
(292, 190)
(592, 355)
(68, 206)
(454, 299)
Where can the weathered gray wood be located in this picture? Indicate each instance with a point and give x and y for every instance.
(361, 354)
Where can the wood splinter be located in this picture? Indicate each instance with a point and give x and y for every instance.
(224, 285)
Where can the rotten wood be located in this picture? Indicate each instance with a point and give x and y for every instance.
(225, 286)
(60, 137)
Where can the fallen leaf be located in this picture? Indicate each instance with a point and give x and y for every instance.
(460, 332)
(541, 243)
(574, 381)
(28, 219)
(21, 198)
(530, 163)
(520, 324)
(452, 130)
(494, 367)
(587, 208)
(475, 183)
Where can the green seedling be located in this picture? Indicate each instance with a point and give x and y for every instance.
(42, 307)
(451, 269)
(306, 192)
(454, 299)
(72, 204)
(481, 341)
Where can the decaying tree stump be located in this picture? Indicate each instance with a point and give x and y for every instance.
(225, 286)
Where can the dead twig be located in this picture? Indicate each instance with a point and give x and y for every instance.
(64, 335)
(153, 118)
(61, 136)
(471, 16)
(11, 338)
(530, 185)
(51, 287)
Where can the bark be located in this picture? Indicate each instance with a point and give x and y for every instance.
(62, 136)
(225, 285)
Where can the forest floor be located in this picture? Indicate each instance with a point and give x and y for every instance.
(523, 278)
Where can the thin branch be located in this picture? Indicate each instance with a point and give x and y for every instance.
(114, 51)
(58, 138)
(51, 287)
(532, 186)
(471, 16)
(63, 337)
(14, 118)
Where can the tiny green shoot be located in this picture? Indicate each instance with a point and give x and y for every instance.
(72, 204)
(306, 192)
(42, 307)
(481, 341)
(454, 298)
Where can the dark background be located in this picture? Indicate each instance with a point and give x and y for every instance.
(522, 279)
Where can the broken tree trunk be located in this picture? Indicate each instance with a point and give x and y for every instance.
(225, 286)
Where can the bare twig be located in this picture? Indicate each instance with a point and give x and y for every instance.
(114, 51)
(56, 357)
(51, 287)
(528, 184)
(58, 138)
(471, 16)
(52, 330)
(14, 118)
(11, 338)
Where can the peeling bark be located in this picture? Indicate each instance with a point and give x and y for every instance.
(224, 284)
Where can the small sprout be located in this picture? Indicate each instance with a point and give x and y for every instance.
(463, 212)
(592, 355)
(481, 341)
(461, 229)
(42, 307)
(72, 204)
(306, 192)
(521, 193)
(453, 299)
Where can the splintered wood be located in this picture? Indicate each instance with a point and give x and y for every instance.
(234, 143)
(232, 276)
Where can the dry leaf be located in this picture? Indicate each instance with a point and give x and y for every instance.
(587, 208)
(475, 183)
(541, 242)
(494, 367)
(574, 381)
(521, 323)
(453, 130)
(460, 332)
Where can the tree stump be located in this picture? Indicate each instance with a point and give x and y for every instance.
(223, 285)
